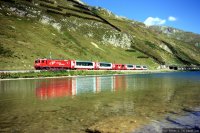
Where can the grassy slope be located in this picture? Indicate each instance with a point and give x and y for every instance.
(38, 40)
(23, 40)
(150, 41)
(145, 41)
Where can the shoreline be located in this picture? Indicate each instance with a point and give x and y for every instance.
(29, 75)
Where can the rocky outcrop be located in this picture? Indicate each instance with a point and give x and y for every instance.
(117, 39)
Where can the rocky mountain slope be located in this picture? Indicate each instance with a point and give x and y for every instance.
(70, 29)
(187, 37)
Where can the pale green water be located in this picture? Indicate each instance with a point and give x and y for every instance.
(75, 104)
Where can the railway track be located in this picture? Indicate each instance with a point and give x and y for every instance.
(18, 71)
(27, 71)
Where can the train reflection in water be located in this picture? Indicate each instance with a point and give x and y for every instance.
(74, 86)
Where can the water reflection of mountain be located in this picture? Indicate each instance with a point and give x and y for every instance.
(80, 85)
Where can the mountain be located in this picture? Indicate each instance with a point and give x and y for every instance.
(71, 29)
(187, 37)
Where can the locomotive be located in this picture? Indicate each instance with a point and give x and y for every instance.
(58, 64)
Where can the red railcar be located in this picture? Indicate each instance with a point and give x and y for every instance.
(46, 64)
(118, 67)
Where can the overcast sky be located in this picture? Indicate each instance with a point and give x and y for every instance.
(181, 14)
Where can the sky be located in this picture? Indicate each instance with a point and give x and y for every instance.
(181, 14)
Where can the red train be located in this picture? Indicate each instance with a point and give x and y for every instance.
(53, 64)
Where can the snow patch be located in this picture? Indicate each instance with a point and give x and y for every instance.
(96, 46)
(166, 48)
(79, 1)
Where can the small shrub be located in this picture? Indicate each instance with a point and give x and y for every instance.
(5, 52)
(142, 57)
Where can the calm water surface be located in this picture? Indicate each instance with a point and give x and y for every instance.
(104, 103)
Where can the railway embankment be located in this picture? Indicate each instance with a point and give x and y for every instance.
(33, 74)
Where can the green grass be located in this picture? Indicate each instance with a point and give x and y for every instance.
(60, 73)
(55, 74)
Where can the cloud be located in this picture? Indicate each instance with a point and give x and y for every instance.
(171, 18)
(154, 21)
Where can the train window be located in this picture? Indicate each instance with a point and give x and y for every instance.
(37, 61)
(90, 64)
(105, 64)
(42, 61)
(144, 66)
(84, 63)
(138, 66)
(130, 66)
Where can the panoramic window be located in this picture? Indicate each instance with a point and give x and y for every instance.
(130, 66)
(84, 63)
(138, 66)
(105, 64)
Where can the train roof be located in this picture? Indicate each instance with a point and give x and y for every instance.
(83, 61)
(106, 62)
(48, 59)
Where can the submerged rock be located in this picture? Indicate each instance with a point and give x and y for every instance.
(190, 121)
(116, 125)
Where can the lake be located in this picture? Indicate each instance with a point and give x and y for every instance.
(118, 103)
